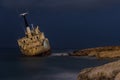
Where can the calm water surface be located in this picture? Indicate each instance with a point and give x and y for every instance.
(15, 67)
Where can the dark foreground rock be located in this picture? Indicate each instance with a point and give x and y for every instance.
(99, 52)
(110, 71)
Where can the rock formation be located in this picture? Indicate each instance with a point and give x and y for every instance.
(110, 71)
(99, 52)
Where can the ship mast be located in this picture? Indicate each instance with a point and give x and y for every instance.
(28, 31)
(24, 17)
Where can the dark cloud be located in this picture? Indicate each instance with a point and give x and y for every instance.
(55, 3)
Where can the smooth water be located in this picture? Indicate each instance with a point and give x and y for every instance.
(15, 67)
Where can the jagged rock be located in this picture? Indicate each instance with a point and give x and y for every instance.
(99, 52)
(117, 76)
(109, 71)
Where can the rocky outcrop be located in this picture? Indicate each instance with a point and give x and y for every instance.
(99, 52)
(110, 71)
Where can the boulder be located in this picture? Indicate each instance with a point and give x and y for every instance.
(109, 71)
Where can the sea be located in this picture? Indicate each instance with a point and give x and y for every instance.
(13, 66)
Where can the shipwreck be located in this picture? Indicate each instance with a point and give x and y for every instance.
(34, 42)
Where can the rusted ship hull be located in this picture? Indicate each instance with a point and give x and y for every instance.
(37, 50)
(41, 53)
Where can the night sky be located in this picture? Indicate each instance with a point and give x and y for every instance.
(69, 24)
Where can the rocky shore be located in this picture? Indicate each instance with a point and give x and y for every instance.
(110, 71)
(99, 52)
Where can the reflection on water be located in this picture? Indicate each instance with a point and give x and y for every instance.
(44, 68)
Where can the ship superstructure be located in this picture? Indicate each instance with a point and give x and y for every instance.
(34, 43)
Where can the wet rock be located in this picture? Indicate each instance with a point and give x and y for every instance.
(110, 71)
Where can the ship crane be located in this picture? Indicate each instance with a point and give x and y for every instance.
(25, 20)
(28, 31)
